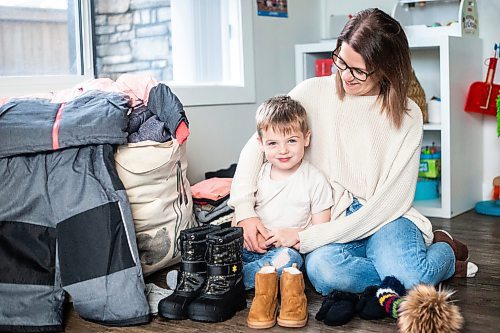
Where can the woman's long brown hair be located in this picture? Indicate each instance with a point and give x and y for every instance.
(382, 43)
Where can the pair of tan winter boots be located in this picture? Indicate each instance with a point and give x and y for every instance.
(264, 309)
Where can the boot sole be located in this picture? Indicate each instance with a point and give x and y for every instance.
(217, 318)
(174, 310)
(263, 324)
(170, 316)
(292, 323)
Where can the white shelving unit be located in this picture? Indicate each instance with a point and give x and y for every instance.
(445, 67)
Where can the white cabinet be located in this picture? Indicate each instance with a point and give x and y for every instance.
(445, 67)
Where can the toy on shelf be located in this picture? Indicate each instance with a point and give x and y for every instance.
(491, 207)
(428, 174)
(430, 162)
(496, 188)
(434, 109)
(323, 67)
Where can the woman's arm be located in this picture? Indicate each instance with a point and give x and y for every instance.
(393, 198)
(242, 198)
(289, 237)
(244, 185)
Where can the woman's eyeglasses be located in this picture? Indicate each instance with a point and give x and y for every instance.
(357, 73)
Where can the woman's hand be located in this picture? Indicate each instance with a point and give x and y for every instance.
(261, 241)
(286, 237)
(253, 233)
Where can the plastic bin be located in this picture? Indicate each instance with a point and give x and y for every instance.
(427, 189)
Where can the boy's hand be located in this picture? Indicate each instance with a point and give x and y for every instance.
(261, 241)
(252, 230)
(286, 237)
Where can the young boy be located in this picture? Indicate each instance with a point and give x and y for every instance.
(291, 193)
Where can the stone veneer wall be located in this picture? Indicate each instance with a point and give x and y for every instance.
(133, 36)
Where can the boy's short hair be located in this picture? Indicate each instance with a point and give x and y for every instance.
(282, 114)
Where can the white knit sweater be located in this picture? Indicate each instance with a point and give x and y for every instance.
(362, 155)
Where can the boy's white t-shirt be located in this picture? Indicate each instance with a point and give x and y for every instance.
(290, 202)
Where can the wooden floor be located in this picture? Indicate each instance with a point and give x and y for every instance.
(478, 298)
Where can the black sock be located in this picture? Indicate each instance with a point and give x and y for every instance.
(338, 308)
(369, 306)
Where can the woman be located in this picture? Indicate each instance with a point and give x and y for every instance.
(366, 140)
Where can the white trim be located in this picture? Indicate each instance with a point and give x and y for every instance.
(87, 52)
(27, 85)
(213, 94)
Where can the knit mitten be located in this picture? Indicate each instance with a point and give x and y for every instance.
(368, 306)
(338, 308)
(390, 295)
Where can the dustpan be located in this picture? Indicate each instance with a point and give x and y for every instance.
(482, 96)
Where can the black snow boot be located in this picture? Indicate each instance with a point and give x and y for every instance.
(224, 293)
(192, 274)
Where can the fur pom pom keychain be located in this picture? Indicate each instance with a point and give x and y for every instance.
(426, 309)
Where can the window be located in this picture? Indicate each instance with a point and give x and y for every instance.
(212, 51)
(206, 42)
(201, 48)
(45, 45)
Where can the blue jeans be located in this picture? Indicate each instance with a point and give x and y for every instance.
(279, 257)
(397, 249)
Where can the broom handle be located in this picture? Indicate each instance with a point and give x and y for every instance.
(489, 80)
(487, 104)
(491, 70)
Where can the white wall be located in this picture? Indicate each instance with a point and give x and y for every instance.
(219, 132)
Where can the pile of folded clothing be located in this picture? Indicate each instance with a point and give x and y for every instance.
(210, 197)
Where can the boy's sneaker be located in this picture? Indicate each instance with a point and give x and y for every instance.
(459, 249)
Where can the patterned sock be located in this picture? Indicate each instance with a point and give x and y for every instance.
(389, 295)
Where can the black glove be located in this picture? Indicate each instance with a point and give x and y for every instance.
(368, 306)
(338, 308)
